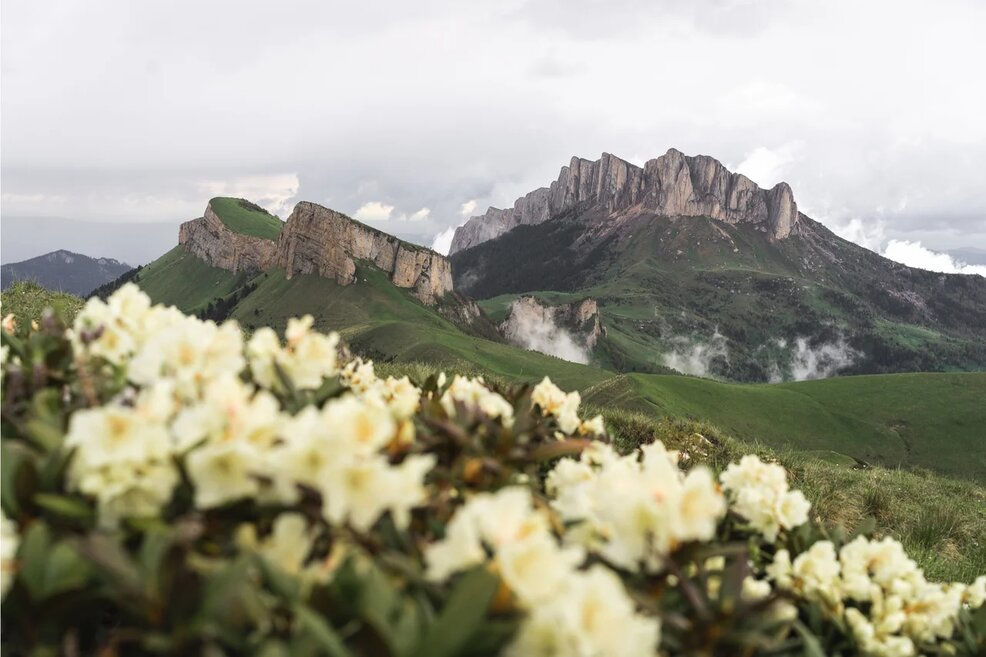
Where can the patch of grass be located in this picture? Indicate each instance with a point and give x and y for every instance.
(246, 218)
(925, 420)
(179, 278)
(27, 301)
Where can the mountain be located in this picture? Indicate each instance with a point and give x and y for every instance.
(239, 261)
(64, 271)
(699, 269)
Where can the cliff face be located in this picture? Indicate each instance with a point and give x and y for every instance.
(316, 240)
(673, 185)
(212, 241)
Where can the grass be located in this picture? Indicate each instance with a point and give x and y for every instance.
(928, 420)
(27, 301)
(245, 218)
(181, 279)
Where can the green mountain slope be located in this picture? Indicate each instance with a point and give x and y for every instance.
(926, 420)
(674, 285)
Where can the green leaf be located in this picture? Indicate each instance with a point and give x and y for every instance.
(316, 627)
(46, 435)
(461, 616)
(33, 557)
(63, 507)
(48, 569)
(66, 570)
(811, 645)
(18, 478)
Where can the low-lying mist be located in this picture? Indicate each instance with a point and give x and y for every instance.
(693, 356)
(539, 332)
(808, 362)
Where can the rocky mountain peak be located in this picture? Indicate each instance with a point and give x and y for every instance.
(673, 185)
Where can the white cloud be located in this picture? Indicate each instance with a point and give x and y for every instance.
(374, 211)
(273, 192)
(443, 241)
(420, 215)
(468, 208)
(869, 233)
(766, 166)
(914, 254)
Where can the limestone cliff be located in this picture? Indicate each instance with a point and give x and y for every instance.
(673, 185)
(316, 240)
(212, 241)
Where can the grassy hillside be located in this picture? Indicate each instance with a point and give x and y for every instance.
(27, 300)
(664, 284)
(925, 420)
(181, 279)
(247, 218)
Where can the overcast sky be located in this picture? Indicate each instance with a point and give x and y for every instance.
(409, 115)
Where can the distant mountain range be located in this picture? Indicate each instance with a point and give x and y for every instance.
(679, 265)
(64, 271)
(699, 269)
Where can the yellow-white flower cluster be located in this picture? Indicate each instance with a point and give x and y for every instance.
(235, 439)
(564, 407)
(882, 595)
(633, 510)
(474, 393)
(306, 359)
(570, 611)
(759, 492)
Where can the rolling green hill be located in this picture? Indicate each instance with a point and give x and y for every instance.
(933, 421)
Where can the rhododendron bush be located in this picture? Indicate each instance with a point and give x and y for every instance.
(174, 486)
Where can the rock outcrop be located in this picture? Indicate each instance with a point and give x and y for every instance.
(317, 240)
(673, 185)
(320, 241)
(569, 331)
(214, 242)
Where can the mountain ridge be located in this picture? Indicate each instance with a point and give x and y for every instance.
(673, 184)
(317, 240)
(65, 271)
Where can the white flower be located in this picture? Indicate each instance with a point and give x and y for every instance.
(591, 616)
(460, 549)
(287, 546)
(634, 509)
(306, 360)
(535, 568)
(224, 471)
(9, 540)
(759, 492)
(473, 392)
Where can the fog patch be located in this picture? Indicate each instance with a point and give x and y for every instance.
(693, 356)
(539, 332)
(805, 362)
